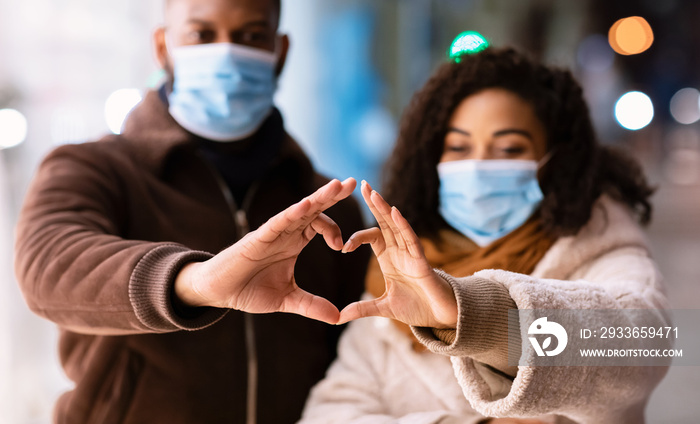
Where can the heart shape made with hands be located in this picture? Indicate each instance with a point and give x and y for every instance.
(256, 274)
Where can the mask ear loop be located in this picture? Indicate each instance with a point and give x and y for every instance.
(277, 52)
(545, 159)
(168, 43)
(170, 79)
(542, 162)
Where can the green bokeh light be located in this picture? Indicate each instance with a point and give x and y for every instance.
(468, 42)
(156, 78)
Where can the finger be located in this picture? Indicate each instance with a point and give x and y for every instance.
(330, 194)
(286, 221)
(349, 186)
(413, 245)
(367, 192)
(385, 210)
(328, 229)
(372, 236)
(361, 309)
(306, 304)
(308, 209)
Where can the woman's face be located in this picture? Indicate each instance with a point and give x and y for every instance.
(494, 124)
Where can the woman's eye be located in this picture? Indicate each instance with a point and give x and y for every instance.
(456, 148)
(514, 150)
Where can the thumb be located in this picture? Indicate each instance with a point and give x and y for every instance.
(361, 309)
(311, 306)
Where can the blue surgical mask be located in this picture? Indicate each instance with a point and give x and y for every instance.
(222, 91)
(487, 199)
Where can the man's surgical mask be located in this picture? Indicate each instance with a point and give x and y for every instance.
(222, 91)
(487, 199)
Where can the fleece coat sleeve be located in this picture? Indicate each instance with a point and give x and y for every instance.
(76, 270)
(598, 269)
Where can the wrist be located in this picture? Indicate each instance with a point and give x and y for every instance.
(448, 312)
(185, 290)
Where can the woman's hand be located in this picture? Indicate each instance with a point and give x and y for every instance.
(414, 294)
(256, 274)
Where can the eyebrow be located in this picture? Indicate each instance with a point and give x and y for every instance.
(199, 21)
(498, 133)
(507, 131)
(457, 130)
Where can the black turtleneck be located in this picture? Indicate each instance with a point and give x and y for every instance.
(243, 162)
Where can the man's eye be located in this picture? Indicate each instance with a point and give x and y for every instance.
(202, 36)
(256, 36)
(251, 38)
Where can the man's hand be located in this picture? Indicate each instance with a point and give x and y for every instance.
(414, 294)
(256, 274)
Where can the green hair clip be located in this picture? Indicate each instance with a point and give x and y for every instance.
(468, 42)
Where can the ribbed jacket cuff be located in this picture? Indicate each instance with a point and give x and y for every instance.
(151, 290)
(482, 323)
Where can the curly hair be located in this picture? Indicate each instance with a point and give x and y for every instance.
(578, 172)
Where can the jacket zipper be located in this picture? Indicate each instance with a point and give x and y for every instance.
(240, 218)
(251, 348)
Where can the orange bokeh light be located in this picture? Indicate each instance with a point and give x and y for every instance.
(631, 35)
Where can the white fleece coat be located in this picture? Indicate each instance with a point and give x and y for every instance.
(379, 378)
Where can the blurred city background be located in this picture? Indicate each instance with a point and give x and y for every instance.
(70, 70)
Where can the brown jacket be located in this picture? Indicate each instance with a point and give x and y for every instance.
(104, 229)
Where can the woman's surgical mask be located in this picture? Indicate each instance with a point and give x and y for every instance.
(222, 91)
(487, 199)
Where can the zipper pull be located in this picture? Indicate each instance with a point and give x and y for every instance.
(242, 222)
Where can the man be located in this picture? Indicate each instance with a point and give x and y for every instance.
(117, 241)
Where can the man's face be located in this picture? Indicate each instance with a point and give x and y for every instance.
(251, 23)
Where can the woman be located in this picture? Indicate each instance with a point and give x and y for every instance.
(498, 171)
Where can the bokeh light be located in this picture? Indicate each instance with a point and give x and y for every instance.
(155, 80)
(468, 42)
(634, 110)
(13, 128)
(118, 106)
(631, 35)
(685, 106)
